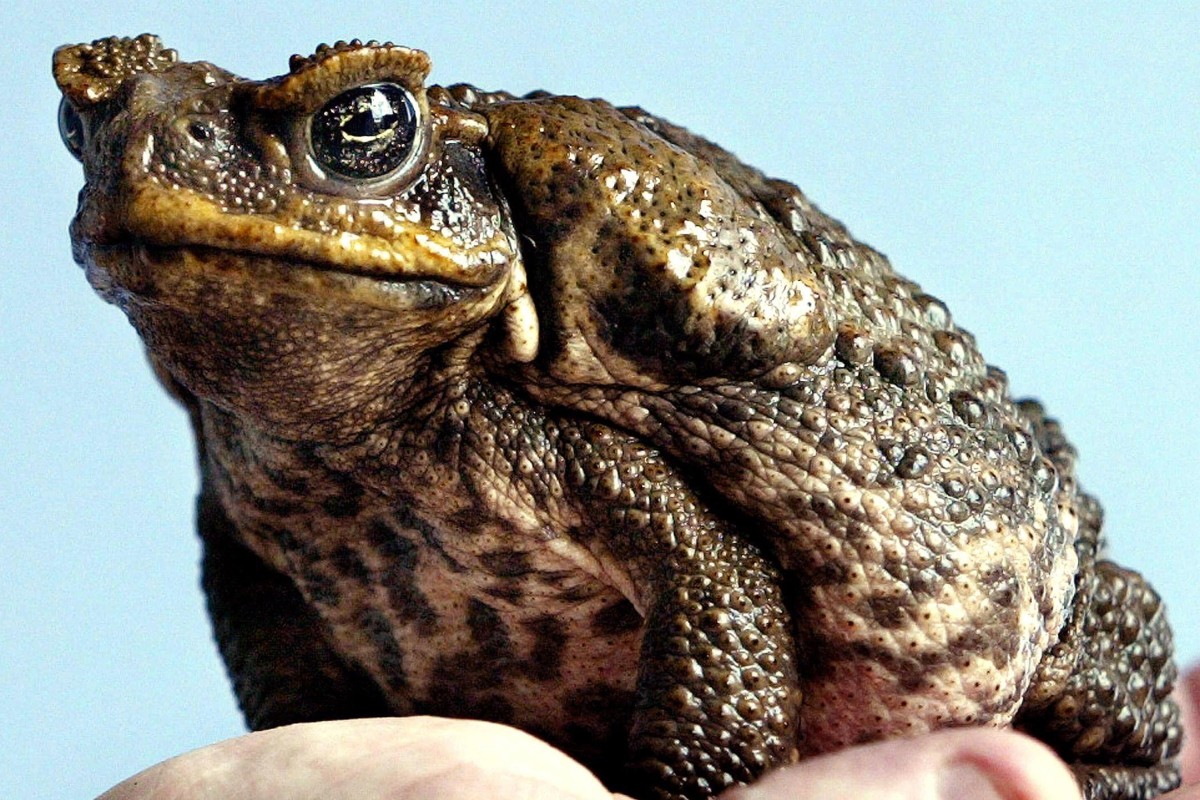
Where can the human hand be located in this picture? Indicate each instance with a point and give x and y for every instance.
(943, 766)
(426, 757)
(1187, 692)
(394, 758)
(965, 764)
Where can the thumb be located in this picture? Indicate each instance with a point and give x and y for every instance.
(975, 764)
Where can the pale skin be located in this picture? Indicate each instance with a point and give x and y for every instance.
(419, 757)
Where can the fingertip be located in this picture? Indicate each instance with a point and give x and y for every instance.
(1018, 767)
(385, 757)
(976, 764)
(1187, 694)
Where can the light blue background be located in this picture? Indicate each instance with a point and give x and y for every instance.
(1036, 169)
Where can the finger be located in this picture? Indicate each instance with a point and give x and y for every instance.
(1187, 693)
(979, 764)
(384, 758)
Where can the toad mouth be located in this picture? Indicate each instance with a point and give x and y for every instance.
(158, 219)
(133, 272)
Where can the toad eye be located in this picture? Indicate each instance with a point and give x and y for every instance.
(366, 132)
(70, 128)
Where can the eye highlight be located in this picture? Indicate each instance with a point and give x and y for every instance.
(365, 133)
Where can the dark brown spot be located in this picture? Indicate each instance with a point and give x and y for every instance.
(321, 588)
(971, 641)
(908, 668)
(923, 582)
(898, 567)
(506, 563)
(828, 573)
(464, 686)
(488, 631)
(888, 611)
(346, 503)
(600, 699)
(399, 577)
(508, 591)
(549, 639)
(270, 506)
(408, 601)
(288, 481)
(392, 546)
(494, 708)
(378, 630)
(349, 564)
(406, 520)
(296, 546)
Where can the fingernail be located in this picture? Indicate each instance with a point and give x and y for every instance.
(965, 781)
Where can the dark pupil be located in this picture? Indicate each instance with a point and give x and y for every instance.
(70, 128)
(365, 132)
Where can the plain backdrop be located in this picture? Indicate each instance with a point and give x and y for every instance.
(1036, 167)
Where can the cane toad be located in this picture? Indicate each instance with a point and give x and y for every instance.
(548, 412)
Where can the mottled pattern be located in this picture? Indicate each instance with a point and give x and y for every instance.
(904, 490)
(575, 422)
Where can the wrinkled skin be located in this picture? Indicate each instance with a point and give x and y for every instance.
(545, 412)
